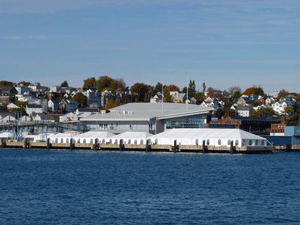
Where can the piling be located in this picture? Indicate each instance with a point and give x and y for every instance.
(232, 148)
(96, 144)
(121, 145)
(1, 145)
(203, 147)
(25, 143)
(148, 145)
(71, 143)
(175, 146)
(48, 144)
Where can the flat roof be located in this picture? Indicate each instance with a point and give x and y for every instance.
(148, 111)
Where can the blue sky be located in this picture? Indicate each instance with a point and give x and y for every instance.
(221, 43)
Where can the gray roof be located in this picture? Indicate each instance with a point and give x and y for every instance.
(148, 111)
(243, 108)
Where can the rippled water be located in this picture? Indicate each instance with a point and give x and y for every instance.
(86, 187)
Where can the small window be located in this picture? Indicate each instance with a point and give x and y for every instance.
(67, 140)
(262, 142)
(250, 142)
(116, 141)
(62, 140)
(78, 141)
(135, 142)
(84, 141)
(207, 142)
(129, 141)
(197, 142)
(156, 141)
(103, 140)
(243, 142)
(219, 142)
(256, 142)
(91, 141)
(56, 140)
(141, 142)
(236, 142)
(229, 142)
(110, 141)
(96, 140)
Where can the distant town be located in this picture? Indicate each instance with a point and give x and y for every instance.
(252, 109)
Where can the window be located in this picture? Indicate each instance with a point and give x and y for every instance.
(207, 142)
(229, 142)
(129, 141)
(197, 142)
(262, 142)
(78, 141)
(84, 141)
(135, 142)
(256, 142)
(61, 140)
(250, 142)
(156, 141)
(141, 142)
(67, 140)
(236, 142)
(219, 142)
(243, 142)
(103, 140)
(116, 141)
(56, 140)
(91, 141)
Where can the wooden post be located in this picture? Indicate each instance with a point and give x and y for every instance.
(203, 147)
(148, 145)
(121, 145)
(2, 144)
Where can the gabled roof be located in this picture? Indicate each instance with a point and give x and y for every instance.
(138, 135)
(209, 133)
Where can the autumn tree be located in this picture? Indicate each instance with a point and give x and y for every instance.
(112, 103)
(170, 88)
(142, 91)
(103, 82)
(89, 83)
(117, 86)
(254, 91)
(5, 83)
(80, 98)
(281, 94)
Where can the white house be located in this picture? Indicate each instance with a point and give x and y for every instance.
(34, 108)
(69, 117)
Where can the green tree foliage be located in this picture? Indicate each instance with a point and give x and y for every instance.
(192, 88)
(21, 109)
(103, 82)
(64, 84)
(158, 87)
(204, 88)
(227, 111)
(142, 91)
(219, 113)
(90, 83)
(236, 95)
(262, 112)
(80, 98)
(24, 83)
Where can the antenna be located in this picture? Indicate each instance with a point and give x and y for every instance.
(187, 92)
(162, 96)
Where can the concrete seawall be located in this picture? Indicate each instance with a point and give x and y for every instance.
(142, 147)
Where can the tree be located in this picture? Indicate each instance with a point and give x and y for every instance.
(204, 88)
(192, 88)
(24, 83)
(234, 89)
(117, 86)
(254, 91)
(89, 83)
(236, 95)
(64, 84)
(103, 82)
(21, 109)
(112, 104)
(219, 113)
(80, 98)
(170, 88)
(158, 87)
(262, 112)
(5, 83)
(281, 94)
(142, 91)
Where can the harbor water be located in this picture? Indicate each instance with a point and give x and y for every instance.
(94, 187)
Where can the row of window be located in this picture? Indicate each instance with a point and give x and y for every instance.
(84, 141)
